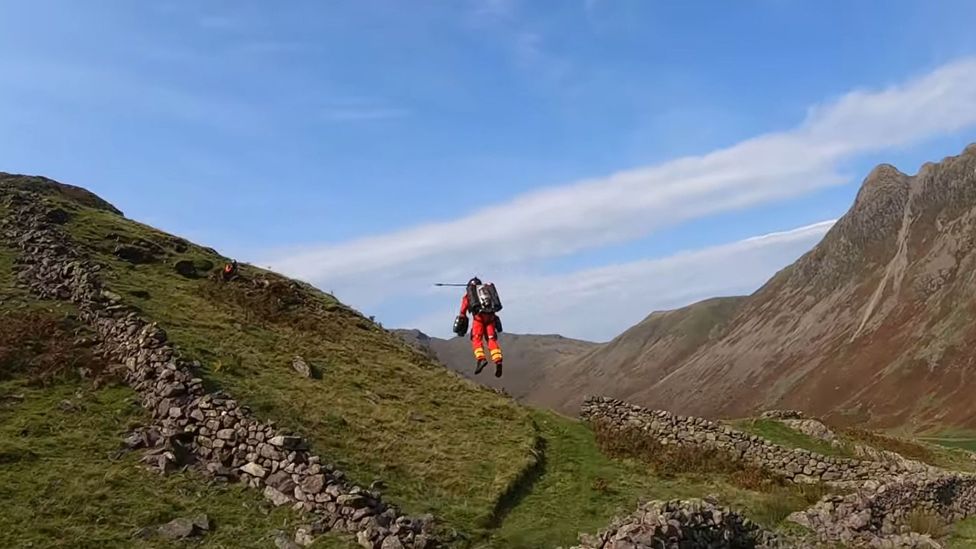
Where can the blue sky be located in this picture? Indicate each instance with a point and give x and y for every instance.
(599, 159)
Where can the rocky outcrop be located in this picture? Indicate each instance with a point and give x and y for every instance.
(795, 464)
(681, 525)
(189, 423)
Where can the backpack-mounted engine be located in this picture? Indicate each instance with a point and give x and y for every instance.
(460, 325)
(483, 298)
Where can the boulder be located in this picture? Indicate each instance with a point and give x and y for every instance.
(276, 497)
(254, 470)
(314, 484)
(282, 541)
(186, 269)
(57, 216)
(185, 527)
(302, 367)
(134, 254)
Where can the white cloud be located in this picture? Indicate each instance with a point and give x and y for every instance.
(600, 303)
(632, 204)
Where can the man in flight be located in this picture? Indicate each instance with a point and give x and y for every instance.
(485, 324)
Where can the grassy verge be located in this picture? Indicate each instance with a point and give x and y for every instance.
(375, 407)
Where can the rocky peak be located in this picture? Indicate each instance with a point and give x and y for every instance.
(882, 181)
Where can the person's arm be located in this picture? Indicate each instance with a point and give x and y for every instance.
(464, 305)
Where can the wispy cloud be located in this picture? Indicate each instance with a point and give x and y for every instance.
(631, 204)
(620, 295)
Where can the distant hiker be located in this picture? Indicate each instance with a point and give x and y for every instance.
(230, 270)
(481, 300)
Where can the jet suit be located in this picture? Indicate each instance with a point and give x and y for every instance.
(483, 326)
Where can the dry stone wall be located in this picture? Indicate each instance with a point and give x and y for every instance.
(681, 524)
(795, 464)
(880, 516)
(782, 414)
(876, 514)
(188, 422)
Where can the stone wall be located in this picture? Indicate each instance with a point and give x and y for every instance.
(680, 524)
(876, 516)
(693, 524)
(782, 414)
(795, 464)
(211, 428)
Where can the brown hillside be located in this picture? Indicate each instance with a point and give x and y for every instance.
(630, 362)
(527, 358)
(874, 324)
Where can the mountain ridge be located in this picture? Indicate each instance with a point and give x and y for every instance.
(879, 307)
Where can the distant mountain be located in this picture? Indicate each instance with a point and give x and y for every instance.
(632, 361)
(527, 358)
(875, 324)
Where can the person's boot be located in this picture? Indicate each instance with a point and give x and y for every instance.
(498, 369)
(481, 366)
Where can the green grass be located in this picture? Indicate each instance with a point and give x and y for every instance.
(378, 410)
(62, 488)
(963, 535)
(778, 433)
(951, 438)
(579, 489)
(968, 444)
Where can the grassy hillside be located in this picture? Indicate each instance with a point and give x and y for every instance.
(62, 477)
(498, 474)
(440, 444)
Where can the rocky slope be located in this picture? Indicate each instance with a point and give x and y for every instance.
(875, 324)
(529, 358)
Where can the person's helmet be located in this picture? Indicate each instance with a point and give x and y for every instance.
(474, 282)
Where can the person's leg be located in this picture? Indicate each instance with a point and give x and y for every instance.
(477, 334)
(493, 347)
